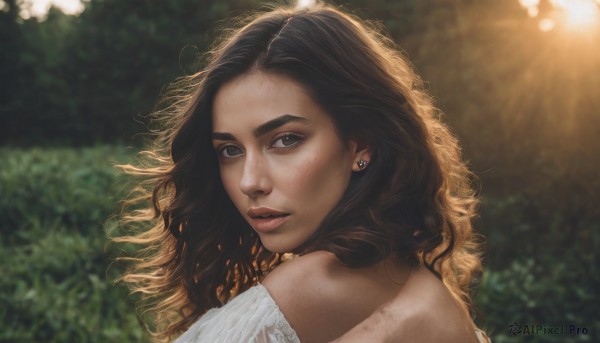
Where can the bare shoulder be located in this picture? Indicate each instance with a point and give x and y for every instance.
(312, 265)
(440, 317)
(323, 300)
(306, 275)
(308, 294)
(424, 311)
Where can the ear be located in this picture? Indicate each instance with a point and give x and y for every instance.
(362, 156)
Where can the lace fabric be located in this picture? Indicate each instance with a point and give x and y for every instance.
(252, 316)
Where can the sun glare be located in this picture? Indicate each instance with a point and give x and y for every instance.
(305, 3)
(575, 14)
(546, 25)
(579, 13)
(533, 11)
(39, 8)
(529, 3)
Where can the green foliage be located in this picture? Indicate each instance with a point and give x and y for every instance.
(56, 284)
(542, 259)
(545, 291)
(95, 78)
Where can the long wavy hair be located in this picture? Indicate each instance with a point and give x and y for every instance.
(415, 200)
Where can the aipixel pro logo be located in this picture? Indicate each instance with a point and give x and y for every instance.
(518, 329)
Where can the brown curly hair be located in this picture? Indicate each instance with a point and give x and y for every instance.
(415, 200)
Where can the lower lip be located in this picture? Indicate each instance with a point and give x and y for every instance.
(268, 224)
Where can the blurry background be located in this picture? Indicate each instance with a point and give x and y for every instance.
(519, 82)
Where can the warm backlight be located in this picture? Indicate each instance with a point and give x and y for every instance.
(573, 14)
(579, 13)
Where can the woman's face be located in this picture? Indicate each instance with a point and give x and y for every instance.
(281, 160)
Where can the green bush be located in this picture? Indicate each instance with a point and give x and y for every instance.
(542, 263)
(547, 292)
(56, 283)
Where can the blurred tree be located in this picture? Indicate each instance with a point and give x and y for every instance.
(11, 68)
(92, 78)
(45, 92)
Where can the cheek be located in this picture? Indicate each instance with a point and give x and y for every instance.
(317, 180)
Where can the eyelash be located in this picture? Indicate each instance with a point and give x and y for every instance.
(223, 149)
(298, 139)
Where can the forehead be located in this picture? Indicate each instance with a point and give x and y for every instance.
(254, 98)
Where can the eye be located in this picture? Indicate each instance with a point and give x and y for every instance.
(287, 140)
(230, 151)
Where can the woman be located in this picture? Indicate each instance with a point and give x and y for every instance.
(307, 133)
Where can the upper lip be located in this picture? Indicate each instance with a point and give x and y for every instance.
(256, 212)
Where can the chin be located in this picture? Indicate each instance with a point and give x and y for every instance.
(279, 247)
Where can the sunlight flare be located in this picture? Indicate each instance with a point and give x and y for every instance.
(546, 25)
(529, 3)
(39, 8)
(533, 11)
(574, 14)
(305, 3)
(579, 13)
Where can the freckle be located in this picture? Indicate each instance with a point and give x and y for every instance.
(366, 327)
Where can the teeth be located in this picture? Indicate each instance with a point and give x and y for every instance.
(265, 216)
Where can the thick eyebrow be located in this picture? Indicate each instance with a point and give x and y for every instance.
(263, 128)
(275, 123)
(222, 136)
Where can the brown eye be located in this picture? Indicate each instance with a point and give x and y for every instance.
(287, 141)
(230, 151)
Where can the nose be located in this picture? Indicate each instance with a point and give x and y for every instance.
(255, 177)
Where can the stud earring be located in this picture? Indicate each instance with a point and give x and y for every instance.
(361, 164)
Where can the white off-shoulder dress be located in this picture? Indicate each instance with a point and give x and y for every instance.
(251, 317)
